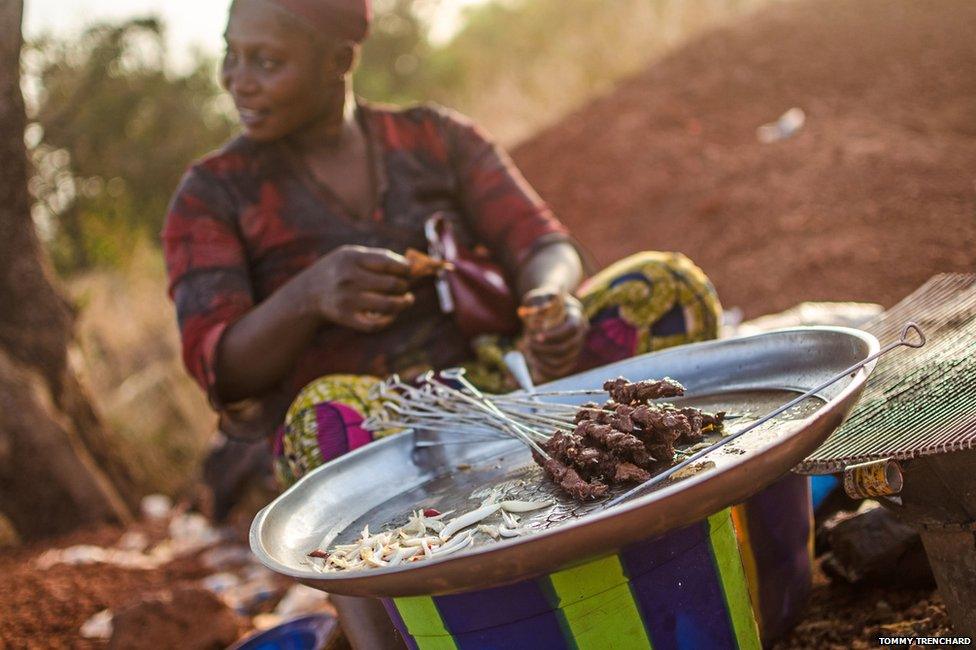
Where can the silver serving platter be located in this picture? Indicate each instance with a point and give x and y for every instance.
(378, 484)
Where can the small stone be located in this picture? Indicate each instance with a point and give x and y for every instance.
(874, 546)
(98, 626)
(133, 541)
(8, 534)
(156, 506)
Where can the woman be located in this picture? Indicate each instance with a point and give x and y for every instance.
(285, 249)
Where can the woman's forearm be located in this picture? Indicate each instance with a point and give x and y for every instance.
(556, 267)
(258, 351)
(361, 288)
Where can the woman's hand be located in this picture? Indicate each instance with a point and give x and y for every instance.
(555, 350)
(552, 272)
(361, 288)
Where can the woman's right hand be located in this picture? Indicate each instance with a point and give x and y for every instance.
(362, 288)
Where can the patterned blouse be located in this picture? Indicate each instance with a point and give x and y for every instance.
(248, 218)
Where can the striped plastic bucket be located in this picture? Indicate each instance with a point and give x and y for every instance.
(736, 579)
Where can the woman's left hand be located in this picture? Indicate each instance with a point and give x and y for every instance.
(556, 350)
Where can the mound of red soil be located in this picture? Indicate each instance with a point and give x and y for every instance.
(875, 194)
(187, 617)
(46, 608)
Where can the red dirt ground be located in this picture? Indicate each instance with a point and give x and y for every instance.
(873, 196)
(45, 609)
(842, 617)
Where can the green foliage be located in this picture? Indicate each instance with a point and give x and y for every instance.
(399, 65)
(519, 65)
(113, 133)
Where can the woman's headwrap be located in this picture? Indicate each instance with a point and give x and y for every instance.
(346, 19)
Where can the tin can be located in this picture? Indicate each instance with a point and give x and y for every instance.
(873, 479)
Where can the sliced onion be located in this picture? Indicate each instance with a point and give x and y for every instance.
(524, 506)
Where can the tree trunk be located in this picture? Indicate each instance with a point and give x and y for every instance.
(57, 470)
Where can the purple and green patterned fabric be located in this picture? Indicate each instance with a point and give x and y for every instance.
(775, 529)
(647, 302)
(692, 588)
(323, 423)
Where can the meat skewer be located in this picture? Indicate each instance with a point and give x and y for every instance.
(639, 392)
(625, 441)
(585, 450)
(423, 265)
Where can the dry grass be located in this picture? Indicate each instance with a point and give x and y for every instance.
(127, 334)
(536, 85)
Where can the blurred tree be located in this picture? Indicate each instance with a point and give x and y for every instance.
(398, 63)
(113, 132)
(57, 470)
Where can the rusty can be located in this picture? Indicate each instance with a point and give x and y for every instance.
(873, 479)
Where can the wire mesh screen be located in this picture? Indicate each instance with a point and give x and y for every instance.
(917, 402)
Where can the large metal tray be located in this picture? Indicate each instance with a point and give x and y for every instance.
(380, 482)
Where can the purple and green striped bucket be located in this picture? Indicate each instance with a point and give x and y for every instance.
(737, 579)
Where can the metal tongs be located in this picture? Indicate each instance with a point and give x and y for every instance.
(438, 251)
(903, 341)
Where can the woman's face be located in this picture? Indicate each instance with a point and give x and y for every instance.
(279, 79)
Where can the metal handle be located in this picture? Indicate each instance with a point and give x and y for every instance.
(479, 400)
(516, 363)
(905, 340)
(436, 250)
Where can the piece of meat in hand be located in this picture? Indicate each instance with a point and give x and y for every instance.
(542, 312)
(423, 265)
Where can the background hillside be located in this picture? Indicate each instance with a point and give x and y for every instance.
(873, 195)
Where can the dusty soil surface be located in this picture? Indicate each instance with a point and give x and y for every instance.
(174, 617)
(45, 609)
(876, 193)
(839, 616)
